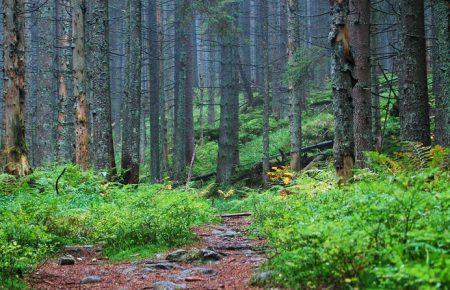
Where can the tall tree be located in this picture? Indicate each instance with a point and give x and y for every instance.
(359, 27)
(342, 84)
(79, 84)
(102, 149)
(229, 101)
(154, 91)
(413, 92)
(132, 100)
(441, 70)
(374, 75)
(15, 147)
(264, 10)
(245, 51)
(295, 100)
(65, 118)
(183, 136)
(45, 148)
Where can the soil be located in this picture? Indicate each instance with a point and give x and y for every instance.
(239, 259)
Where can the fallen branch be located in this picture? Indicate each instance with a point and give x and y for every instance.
(236, 215)
(57, 181)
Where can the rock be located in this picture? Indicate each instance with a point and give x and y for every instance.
(177, 256)
(192, 255)
(91, 279)
(195, 271)
(73, 250)
(262, 278)
(67, 260)
(229, 234)
(194, 279)
(129, 270)
(166, 285)
(161, 266)
(209, 255)
(216, 232)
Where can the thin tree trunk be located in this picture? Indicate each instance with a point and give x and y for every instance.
(266, 92)
(211, 116)
(342, 83)
(376, 106)
(413, 93)
(359, 29)
(79, 84)
(441, 71)
(15, 147)
(154, 92)
(295, 116)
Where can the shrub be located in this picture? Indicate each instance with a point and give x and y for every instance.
(386, 230)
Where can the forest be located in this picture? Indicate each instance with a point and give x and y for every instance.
(225, 144)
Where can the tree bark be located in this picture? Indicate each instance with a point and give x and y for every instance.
(98, 70)
(342, 84)
(79, 84)
(15, 147)
(295, 100)
(154, 92)
(65, 129)
(229, 102)
(132, 101)
(441, 70)
(413, 93)
(359, 29)
(45, 147)
(245, 52)
(266, 92)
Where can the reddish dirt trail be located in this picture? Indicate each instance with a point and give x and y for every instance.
(239, 259)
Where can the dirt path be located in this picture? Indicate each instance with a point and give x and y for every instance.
(224, 258)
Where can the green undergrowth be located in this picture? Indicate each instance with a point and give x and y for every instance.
(130, 222)
(388, 228)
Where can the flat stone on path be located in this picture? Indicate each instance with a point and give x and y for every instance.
(167, 285)
(91, 279)
(67, 260)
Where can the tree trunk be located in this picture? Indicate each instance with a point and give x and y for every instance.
(211, 114)
(15, 147)
(374, 74)
(229, 102)
(99, 86)
(154, 92)
(79, 84)
(295, 116)
(413, 93)
(359, 27)
(342, 83)
(245, 52)
(132, 101)
(46, 87)
(441, 71)
(266, 92)
(65, 119)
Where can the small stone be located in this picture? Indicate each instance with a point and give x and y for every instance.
(177, 256)
(91, 279)
(166, 285)
(208, 255)
(194, 279)
(67, 260)
(229, 234)
(129, 270)
(73, 250)
(217, 232)
(195, 271)
(161, 266)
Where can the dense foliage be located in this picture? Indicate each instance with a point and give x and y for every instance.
(35, 222)
(388, 229)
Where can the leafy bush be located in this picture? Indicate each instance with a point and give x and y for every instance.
(35, 221)
(386, 230)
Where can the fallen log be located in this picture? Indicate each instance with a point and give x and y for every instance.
(236, 215)
(258, 166)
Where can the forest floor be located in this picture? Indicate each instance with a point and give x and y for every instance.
(223, 258)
